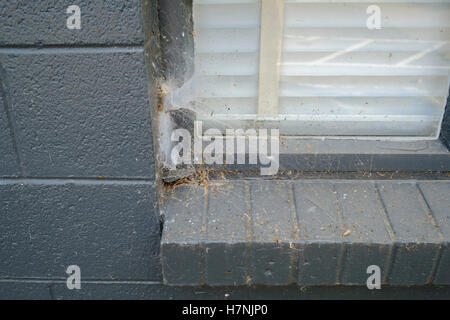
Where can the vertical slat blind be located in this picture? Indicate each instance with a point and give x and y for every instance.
(337, 77)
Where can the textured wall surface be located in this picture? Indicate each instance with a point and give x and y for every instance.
(43, 22)
(76, 158)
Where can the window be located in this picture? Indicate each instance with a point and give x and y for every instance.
(325, 74)
(336, 76)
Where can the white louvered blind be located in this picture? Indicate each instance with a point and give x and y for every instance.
(337, 77)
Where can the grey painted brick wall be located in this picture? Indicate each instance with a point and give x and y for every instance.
(106, 228)
(80, 113)
(76, 156)
(43, 22)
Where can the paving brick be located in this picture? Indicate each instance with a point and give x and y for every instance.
(320, 233)
(183, 263)
(181, 249)
(226, 263)
(369, 241)
(226, 231)
(416, 238)
(442, 276)
(274, 228)
(83, 114)
(437, 196)
(44, 22)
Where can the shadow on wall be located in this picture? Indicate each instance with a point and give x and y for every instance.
(445, 127)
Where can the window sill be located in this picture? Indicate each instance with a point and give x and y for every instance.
(306, 232)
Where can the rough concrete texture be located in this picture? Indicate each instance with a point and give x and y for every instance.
(307, 232)
(43, 22)
(9, 164)
(45, 289)
(82, 113)
(109, 229)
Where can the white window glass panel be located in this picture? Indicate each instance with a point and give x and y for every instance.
(337, 77)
